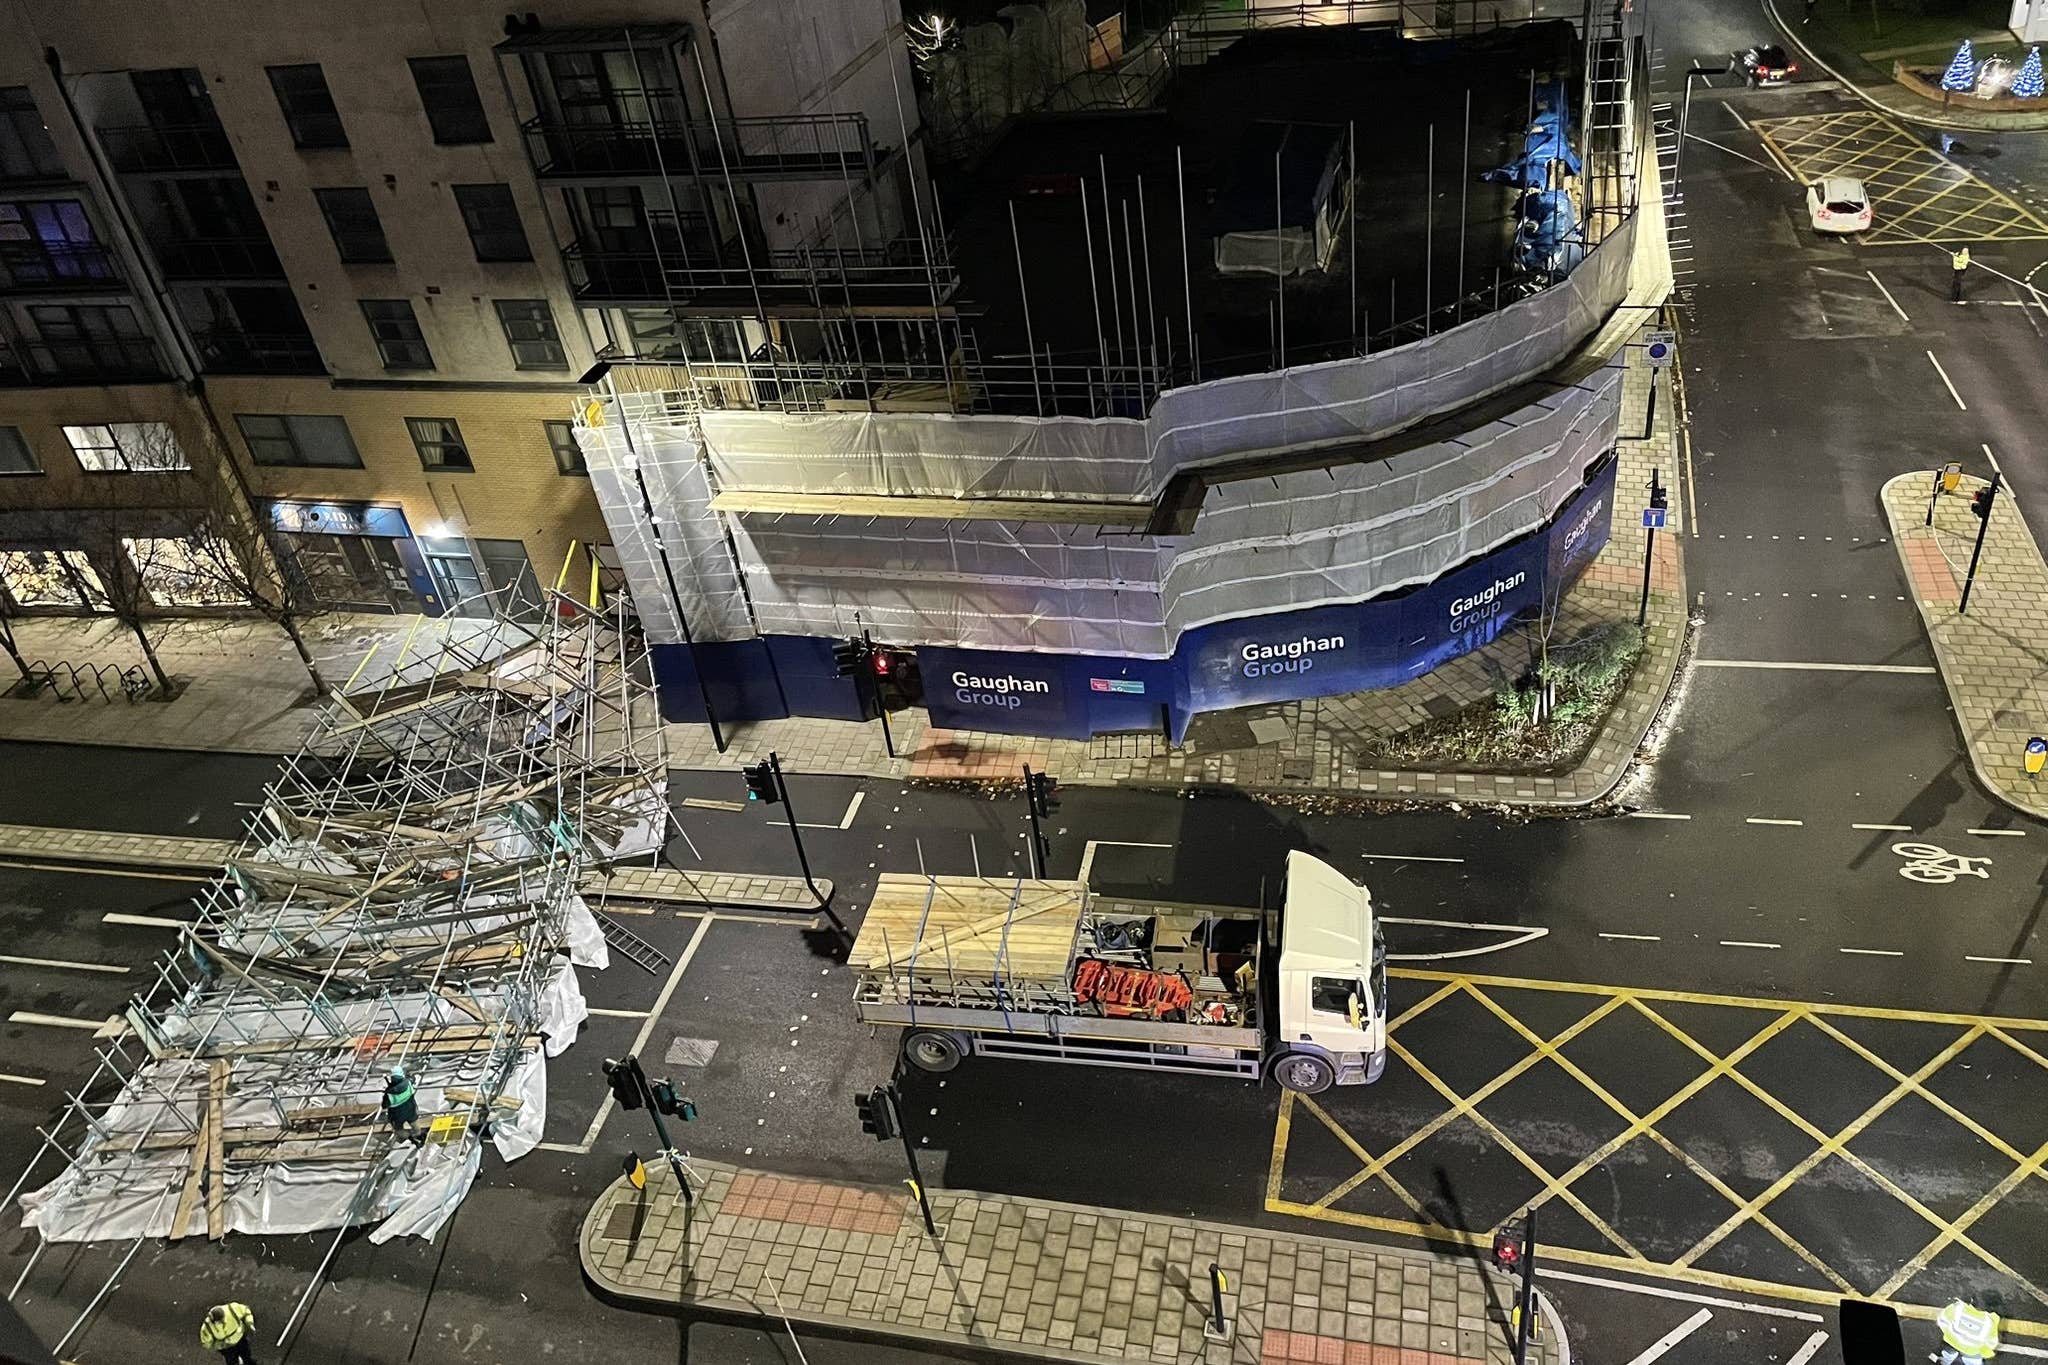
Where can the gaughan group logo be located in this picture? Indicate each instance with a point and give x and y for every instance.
(1003, 691)
(1467, 612)
(1294, 656)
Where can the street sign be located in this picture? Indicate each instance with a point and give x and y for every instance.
(1659, 347)
(1653, 518)
(2037, 755)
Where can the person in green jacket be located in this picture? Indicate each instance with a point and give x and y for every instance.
(226, 1328)
(401, 1105)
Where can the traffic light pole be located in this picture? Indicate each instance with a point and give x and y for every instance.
(1990, 496)
(875, 682)
(1526, 1294)
(924, 1205)
(1037, 837)
(796, 837)
(675, 1162)
(1657, 500)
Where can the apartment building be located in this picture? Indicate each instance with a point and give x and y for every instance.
(363, 266)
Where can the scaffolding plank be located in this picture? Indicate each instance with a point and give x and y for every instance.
(189, 1196)
(216, 1163)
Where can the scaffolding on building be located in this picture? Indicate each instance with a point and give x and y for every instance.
(409, 894)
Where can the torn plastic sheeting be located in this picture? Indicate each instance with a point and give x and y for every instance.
(423, 1206)
(562, 1010)
(582, 933)
(517, 1131)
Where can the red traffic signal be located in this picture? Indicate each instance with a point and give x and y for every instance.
(1980, 501)
(882, 662)
(1507, 1249)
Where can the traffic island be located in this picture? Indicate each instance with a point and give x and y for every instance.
(1994, 659)
(1032, 1277)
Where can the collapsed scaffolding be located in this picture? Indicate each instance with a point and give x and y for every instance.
(409, 894)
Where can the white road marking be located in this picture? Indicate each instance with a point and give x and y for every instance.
(1657, 815)
(1637, 938)
(2010, 1349)
(1695, 137)
(845, 821)
(1906, 828)
(67, 966)
(1999, 833)
(1993, 458)
(1812, 667)
(55, 1020)
(1871, 952)
(1761, 820)
(1809, 1349)
(147, 921)
(2005, 961)
(617, 1014)
(1657, 1348)
(13, 1079)
(1745, 943)
(1681, 1296)
(1935, 865)
(1887, 295)
(1407, 858)
(1951, 385)
(1088, 853)
(1523, 934)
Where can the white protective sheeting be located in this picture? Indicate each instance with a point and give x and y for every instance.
(583, 934)
(562, 1010)
(1288, 251)
(516, 1129)
(1261, 545)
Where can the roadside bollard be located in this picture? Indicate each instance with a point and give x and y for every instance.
(1217, 1328)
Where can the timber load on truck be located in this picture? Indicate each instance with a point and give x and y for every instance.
(1047, 970)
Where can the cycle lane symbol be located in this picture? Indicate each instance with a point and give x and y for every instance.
(1935, 865)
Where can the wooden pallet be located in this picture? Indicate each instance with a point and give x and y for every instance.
(973, 930)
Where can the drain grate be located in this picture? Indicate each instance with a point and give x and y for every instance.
(691, 1052)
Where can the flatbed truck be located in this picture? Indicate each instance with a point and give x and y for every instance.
(1049, 971)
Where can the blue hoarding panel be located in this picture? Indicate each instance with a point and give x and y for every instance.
(811, 684)
(1009, 692)
(739, 675)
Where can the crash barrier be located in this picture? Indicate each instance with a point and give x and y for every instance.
(110, 681)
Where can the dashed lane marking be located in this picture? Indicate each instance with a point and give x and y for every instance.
(1872, 952)
(1657, 815)
(1766, 820)
(2004, 961)
(1948, 383)
(12, 1079)
(1747, 943)
(1809, 1349)
(1999, 833)
(1407, 858)
(1637, 938)
(146, 921)
(1901, 829)
(1888, 296)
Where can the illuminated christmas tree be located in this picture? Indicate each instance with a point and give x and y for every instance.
(2028, 84)
(1961, 76)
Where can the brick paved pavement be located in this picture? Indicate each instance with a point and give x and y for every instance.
(1038, 1278)
(173, 853)
(1994, 661)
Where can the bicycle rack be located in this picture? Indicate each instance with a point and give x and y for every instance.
(109, 680)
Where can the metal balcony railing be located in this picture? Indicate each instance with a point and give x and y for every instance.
(190, 147)
(224, 351)
(36, 267)
(108, 358)
(218, 258)
(824, 277)
(796, 146)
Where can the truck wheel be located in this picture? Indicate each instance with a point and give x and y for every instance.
(1304, 1073)
(929, 1051)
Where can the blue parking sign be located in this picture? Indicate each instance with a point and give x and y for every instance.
(1653, 518)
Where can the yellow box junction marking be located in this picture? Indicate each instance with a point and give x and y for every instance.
(2023, 1037)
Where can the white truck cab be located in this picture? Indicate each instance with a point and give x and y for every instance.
(1330, 982)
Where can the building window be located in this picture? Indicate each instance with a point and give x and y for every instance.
(493, 222)
(439, 442)
(52, 578)
(126, 448)
(511, 578)
(281, 439)
(17, 458)
(26, 152)
(449, 96)
(308, 109)
(568, 455)
(184, 572)
(352, 221)
(397, 334)
(530, 332)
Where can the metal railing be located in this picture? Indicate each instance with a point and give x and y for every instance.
(36, 266)
(793, 145)
(218, 258)
(143, 148)
(222, 351)
(823, 276)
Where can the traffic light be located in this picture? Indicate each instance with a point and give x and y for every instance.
(625, 1085)
(1042, 790)
(882, 661)
(1980, 501)
(877, 1116)
(669, 1102)
(1507, 1248)
(761, 783)
(846, 656)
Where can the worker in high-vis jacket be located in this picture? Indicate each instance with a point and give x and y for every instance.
(1967, 1334)
(401, 1104)
(227, 1328)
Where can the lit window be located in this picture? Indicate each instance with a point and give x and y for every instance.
(52, 578)
(184, 572)
(439, 442)
(126, 448)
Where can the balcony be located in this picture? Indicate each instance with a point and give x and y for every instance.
(149, 150)
(109, 360)
(835, 280)
(218, 258)
(796, 147)
(37, 268)
(225, 351)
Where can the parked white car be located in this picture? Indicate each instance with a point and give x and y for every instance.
(1838, 204)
